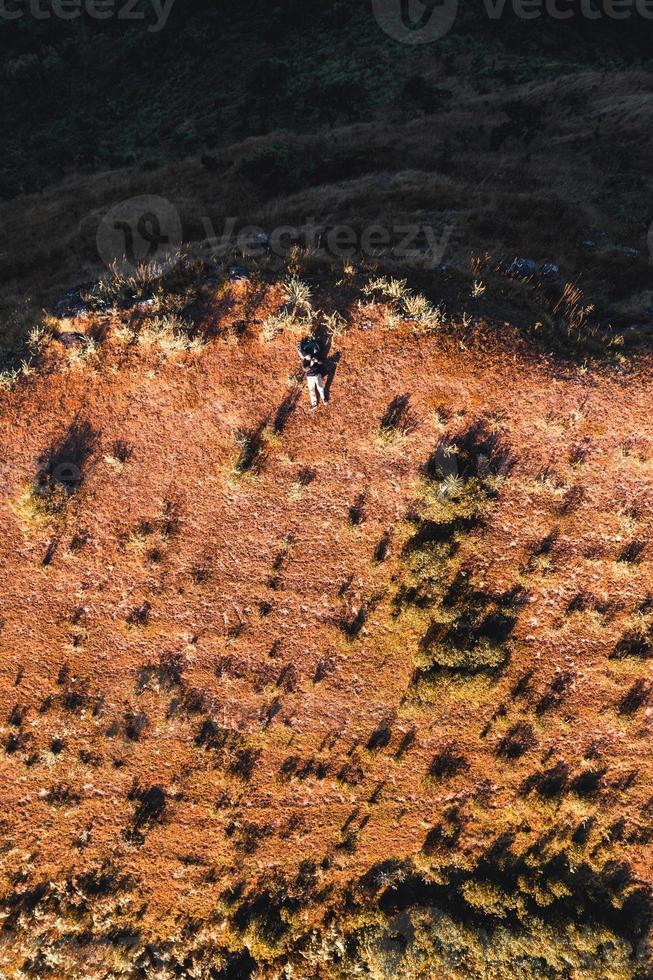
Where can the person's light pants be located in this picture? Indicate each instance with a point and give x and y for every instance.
(315, 388)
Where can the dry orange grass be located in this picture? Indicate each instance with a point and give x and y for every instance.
(231, 642)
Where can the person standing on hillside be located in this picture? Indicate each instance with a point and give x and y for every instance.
(312, 363)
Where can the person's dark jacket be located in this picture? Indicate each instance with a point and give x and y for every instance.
(311, 361)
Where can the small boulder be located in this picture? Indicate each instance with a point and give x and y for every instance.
(75, 302)
(71, 338)
(72, 305)
(548, 270)
(522, 268)
(238, 274)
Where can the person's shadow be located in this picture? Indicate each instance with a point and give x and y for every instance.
(330, 366)
(331, 362)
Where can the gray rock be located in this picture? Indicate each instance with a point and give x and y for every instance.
(548, 270)
(71, 339)
(522, 268)
(602, 240)
(238, 274)
(71, 305)
(144, 305)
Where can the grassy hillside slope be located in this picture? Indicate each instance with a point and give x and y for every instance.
(514, 138)
(359, 690)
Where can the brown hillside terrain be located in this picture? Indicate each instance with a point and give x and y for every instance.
(264, 668)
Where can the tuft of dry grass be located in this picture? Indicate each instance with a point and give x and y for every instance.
(284, 321)
(8, 379)
(427, 318)
(169, 335)
(390, 289)
(297, 294)
(335, 324)
(80, 357)
(403, 304)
